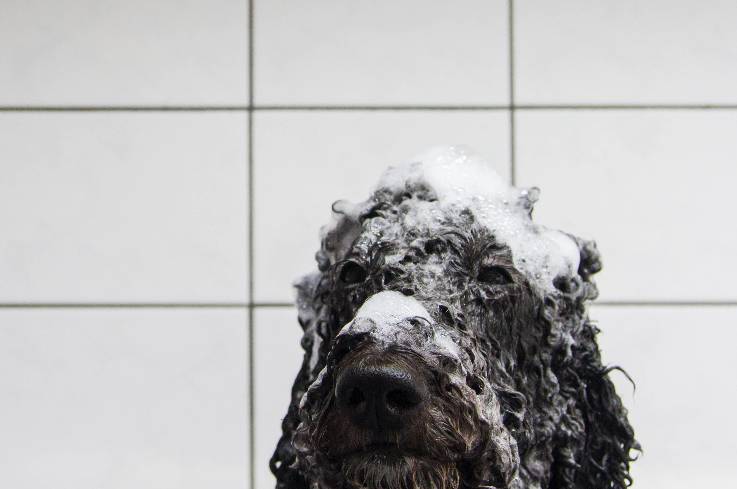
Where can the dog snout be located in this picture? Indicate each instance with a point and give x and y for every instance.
(380, 397)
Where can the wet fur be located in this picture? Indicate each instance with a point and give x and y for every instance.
(529, 404)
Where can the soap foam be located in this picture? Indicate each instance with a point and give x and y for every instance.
(390, 307)
(387, 311)
(463, 180)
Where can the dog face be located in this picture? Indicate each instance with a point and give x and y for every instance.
(447, 345)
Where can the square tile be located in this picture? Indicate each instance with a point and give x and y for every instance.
(598, 51)
(277, 360)
(125, 206)
(106, 52)
(381, 52)
(123, 398)
(682, 409)
(304, 161)
(653, 188)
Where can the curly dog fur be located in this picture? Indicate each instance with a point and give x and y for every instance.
(518, 399)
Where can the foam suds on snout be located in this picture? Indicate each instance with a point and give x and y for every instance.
(387, 310)
(463, 180)
(389, 307)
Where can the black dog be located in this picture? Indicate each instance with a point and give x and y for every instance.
(447, 345)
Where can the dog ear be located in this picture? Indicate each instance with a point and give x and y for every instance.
(594, 439)
(602, 436)
(337, 238)
(310, 315)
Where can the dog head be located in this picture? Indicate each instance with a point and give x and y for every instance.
(447, 345)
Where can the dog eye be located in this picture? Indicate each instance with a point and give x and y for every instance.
(352, 273)
(389, 276)
(494, 275)
(434, 246)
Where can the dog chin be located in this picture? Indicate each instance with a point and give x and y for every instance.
(390, 470)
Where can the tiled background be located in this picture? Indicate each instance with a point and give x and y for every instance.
(165, 167)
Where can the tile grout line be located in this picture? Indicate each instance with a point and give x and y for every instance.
(357, 108)
(123, 108)
(625, 106)
(512, 126)
(125, 305)
(625, 303)
(398, 108)
(251, 363)
(290, 305)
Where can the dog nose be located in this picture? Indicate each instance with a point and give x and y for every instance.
(379, 397)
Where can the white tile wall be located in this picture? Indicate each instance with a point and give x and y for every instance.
(331, 52)
(107, 52)
(628, 51)
(119, 207)
(653, 188)
(304, 161)
(121, 398)
(150, 206)
(682, 361)
(277, 359)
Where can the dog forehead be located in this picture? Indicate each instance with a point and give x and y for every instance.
(438, 190)
(463, 181)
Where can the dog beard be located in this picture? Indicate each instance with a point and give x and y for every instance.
(382, 471)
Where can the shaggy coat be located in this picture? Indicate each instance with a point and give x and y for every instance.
(524, 402)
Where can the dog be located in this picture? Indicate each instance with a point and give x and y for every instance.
(448, 345)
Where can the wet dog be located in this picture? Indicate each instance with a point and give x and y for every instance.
(447, 345)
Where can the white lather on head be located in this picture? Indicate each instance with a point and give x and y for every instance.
(463, 180)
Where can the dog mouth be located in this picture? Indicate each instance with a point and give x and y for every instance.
(382, 450)
(387, 465)
(378, 447)
(390, 453)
